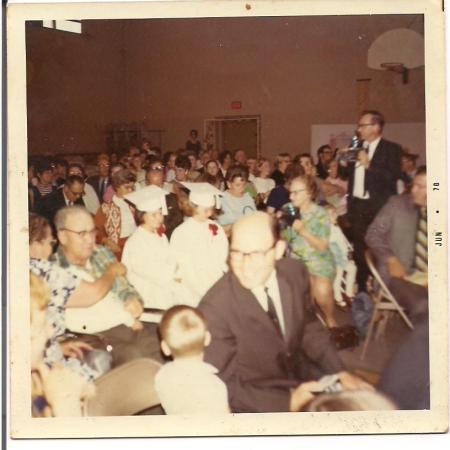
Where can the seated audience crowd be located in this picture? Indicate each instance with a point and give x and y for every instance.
(243, 261)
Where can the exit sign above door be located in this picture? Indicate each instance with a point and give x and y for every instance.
(236, 105)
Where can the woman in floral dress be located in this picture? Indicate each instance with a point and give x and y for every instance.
(308, 241)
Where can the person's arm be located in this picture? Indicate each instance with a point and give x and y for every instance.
(64, 390)
(227, 217)
(377, 236)
(121, 286)
(88, 293)
(315, 241)
(387, 173)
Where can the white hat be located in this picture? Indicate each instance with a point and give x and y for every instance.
(149, 199)
(203, 194)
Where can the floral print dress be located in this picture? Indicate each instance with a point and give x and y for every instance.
(318, 262)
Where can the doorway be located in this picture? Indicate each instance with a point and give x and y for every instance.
(234, 132)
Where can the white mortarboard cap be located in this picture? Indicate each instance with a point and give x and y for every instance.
(203, 194)
(149, 199)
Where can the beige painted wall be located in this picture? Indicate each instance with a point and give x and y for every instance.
(74, 86)
(294, 72)
(173, 74)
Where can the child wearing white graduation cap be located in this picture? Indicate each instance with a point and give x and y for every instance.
(146, 255)
(199, 244)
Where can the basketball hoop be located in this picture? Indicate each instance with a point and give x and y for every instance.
(398, 50)
(397, 68)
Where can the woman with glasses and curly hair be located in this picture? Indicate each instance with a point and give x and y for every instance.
(308, 241)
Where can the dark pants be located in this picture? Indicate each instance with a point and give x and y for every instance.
(361, 214)
(406, 377)
(412, 297)
(128, 344)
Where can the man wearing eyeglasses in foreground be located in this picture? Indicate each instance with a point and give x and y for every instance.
(266, 340)
(115, 316)
(372, 180)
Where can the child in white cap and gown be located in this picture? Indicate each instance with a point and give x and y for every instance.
(199, 244)
(147, 256)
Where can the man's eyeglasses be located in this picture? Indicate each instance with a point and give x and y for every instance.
(362, 125)
(77, 194)
(256, 256)
(298, 190)
(82, 234)
(157, 168)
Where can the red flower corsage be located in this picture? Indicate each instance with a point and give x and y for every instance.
(161, 230)
(213, 228)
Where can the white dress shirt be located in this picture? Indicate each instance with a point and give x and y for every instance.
(107, 313)
(274, 292)
(360, 171)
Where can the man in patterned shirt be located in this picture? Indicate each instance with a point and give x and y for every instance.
(115, 317)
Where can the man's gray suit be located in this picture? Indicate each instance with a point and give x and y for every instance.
(393, 233)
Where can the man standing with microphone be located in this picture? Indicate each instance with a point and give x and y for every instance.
(372, 180)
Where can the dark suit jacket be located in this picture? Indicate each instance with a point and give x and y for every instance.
(94, 182)
(255, 362)
(174, 216)
(381, 177)
(51, 203)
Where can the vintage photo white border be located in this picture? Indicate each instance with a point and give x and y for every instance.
(22, 425)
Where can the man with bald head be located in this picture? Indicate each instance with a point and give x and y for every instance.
(266, 339)
(115, 318)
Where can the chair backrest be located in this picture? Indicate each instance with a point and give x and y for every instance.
(373, 270)
(385, 292)
(125, 390)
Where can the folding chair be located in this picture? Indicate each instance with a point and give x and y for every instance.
(125, 390)
(384, 304)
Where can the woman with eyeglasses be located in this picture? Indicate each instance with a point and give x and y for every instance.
(115, 219)
(65, 291)
(308, 241)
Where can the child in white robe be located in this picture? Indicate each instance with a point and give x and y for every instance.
(199, 244)
(188, 385)
(147, 256)
(345, 266)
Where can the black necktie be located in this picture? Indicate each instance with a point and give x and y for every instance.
(102, 188)
(271, 311)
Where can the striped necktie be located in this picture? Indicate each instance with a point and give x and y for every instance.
(421, 255)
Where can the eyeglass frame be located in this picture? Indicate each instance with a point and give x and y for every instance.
(362, 125)
(296, 191)
(160, 168)
(82, 234)
(257, 254)
(77, 194)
